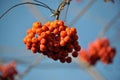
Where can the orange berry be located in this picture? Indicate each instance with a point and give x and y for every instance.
(83, 55)
(62, 43)
(69, 33)
(44, 28)
(34, 29)
(98, 44)
(39, 31)
(25, 40)
(29, 40)
(54, 25)
(37, 24)
(63, 33)
(34, 50)
(61, 28)
(73, 30)
(67, 29)
(91, 46)
(51, 23)
(48, 23)
(34, 40)
(50, 28)
(39, 38)
(43, 41)
(61, 38)
(42, 47)
(56, 21)
(31, 35)
(105, 42)
(43, 35)
(67, 38)
(29, 31)
(34, 45)
(60, 22)
(92, 52)
(55, 31)
(48, 32)
(28, 45)
(108, 49)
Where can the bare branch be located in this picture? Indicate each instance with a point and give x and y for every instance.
(74, 20)
(91, 70)
(38, 15)
(109, 1)
(109, 24)
(66, 14)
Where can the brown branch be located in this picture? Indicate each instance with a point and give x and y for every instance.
(60, 8)
(90, 70)
(109, 24)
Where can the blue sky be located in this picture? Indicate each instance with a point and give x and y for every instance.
(13, 28)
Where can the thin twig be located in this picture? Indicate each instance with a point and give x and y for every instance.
(81, 13)
(65, 17)
(109, 1)
(36, 13)
(45, 5)
(24, 4)
(109, 24)
(34, 64)
(91, 70)
(60, 7)
(16, 6)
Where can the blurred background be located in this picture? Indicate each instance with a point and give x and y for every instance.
(89, 17)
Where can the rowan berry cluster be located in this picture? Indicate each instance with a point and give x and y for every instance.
(8, 71)
(98, 50)
(54, 40)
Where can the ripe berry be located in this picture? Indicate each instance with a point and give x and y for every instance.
(74, 54)
(68, 59)
(53, 39)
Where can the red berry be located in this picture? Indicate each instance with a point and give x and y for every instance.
(68, 59)
(75, 54)
(62, 60)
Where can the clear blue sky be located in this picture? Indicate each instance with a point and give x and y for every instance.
(13, 28)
